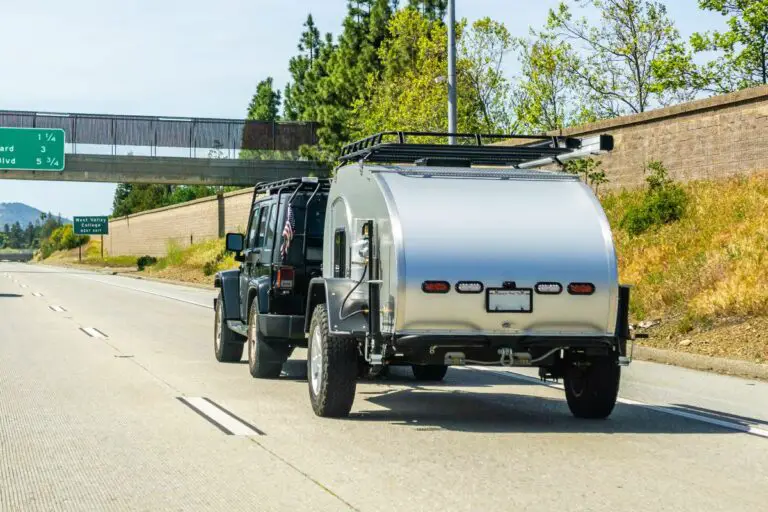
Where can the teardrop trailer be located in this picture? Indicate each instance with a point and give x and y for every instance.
(431, 255)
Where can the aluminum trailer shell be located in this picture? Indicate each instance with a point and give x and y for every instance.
(487, 225)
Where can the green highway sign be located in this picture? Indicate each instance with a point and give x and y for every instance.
(91, 225)
(31, 149)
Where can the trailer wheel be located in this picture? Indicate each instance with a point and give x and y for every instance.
(227, 345)
(592, 391)
(429, 372)
(265, 361)
(332, 369)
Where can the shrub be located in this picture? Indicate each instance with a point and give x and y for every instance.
(664, 202)
(145, 261)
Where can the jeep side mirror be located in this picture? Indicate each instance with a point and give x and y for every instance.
(235, 242)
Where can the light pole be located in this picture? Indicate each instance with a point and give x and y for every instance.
(452, 70)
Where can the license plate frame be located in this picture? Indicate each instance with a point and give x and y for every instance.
(518, 300)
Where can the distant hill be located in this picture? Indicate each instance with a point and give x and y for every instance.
(21, 213)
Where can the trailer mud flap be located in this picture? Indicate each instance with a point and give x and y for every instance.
(346, 315)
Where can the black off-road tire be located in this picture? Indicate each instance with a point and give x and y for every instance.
(227, 345)
(265, 360)
(338, 366)
(429, 372)
(592, 391)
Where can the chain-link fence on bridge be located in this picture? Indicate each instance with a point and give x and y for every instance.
(172, 132)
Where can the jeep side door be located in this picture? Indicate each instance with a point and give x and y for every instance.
(258, 254)
(249, 259)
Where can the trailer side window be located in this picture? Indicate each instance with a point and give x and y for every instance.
(339, 253)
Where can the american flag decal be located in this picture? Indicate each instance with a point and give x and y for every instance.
(287, 232)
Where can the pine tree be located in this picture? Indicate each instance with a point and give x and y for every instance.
(265, 104)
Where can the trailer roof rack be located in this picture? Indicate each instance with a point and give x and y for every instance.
(533, 151)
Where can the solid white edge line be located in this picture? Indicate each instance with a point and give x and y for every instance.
(747, 429)
(148, 292)
(218, 416)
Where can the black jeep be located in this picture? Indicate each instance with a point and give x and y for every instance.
(263, 302)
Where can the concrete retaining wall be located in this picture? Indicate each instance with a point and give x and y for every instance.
(704, 139)
(150, 232)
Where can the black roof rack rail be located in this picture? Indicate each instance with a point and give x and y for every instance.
(273, 187)
(533, 150)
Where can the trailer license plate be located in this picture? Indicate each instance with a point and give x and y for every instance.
(509, 301)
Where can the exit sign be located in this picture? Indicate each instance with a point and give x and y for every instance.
(91, 225)
(31, 149)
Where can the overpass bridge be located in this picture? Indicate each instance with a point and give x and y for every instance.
(204, 151)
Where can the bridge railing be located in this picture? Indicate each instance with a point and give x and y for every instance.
(169, 132)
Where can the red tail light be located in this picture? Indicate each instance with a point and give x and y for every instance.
(435, 287)
(581, 288)
(285, 278)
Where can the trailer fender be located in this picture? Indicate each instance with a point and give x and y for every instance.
(229, 282)
(332, 292)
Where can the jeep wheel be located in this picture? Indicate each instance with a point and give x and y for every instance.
(429, 372)
(591, 391)
(265, 361)
(227, 345)
(332, 368)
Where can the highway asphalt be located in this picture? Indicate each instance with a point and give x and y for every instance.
(111, 399)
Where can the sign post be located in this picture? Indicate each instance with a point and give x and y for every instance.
(92, 226)
(32, 149)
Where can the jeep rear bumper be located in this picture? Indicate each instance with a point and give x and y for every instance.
(288, 328)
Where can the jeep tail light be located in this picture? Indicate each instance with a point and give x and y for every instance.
(435, 287)
(285, 278)
(549, 288)
(469, 287)
(581, 288)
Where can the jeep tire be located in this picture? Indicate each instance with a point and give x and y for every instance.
(227, 345)
(265, 360)
(332, 368)
(429, 372)
(591, 391)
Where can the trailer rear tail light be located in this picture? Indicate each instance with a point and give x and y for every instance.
(469, 287)
(435, 287)
(581, 288)
(549, 288)
(285, 278)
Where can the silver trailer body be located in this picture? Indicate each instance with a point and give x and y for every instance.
(489, 225)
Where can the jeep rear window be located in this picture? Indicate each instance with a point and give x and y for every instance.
(315, 228)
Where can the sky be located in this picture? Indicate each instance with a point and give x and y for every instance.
(192, 58)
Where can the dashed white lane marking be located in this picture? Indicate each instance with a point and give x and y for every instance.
(24, 286)
(220, 417)
(94, 333)
(730, 425)
(37, 294)
(57, 309)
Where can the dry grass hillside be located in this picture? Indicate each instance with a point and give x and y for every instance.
(704, 277)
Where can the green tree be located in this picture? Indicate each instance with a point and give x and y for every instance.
(434, 10)
(410, 91)
(345, 79)
(742, 52)
(16, 236)
(299, 91)
(547, 96)
(265, 104)
(484, 49)
(616, 55)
